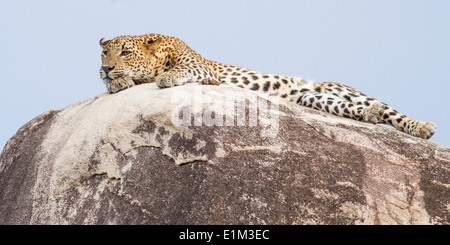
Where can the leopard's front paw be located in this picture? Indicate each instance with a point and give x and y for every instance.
(119, 84)
(424, 130)
(373, 113)
(168, 79)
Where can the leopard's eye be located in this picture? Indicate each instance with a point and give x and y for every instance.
(105, 52)
(125, 53)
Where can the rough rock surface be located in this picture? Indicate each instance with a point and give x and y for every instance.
(125, 159)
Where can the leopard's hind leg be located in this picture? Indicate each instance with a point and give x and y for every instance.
(389, 116)
(336, 105)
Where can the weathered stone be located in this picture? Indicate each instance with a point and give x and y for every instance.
(123, 159)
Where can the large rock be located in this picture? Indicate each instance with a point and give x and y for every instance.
(131, 158)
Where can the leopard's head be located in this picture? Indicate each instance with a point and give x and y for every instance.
(139, 57)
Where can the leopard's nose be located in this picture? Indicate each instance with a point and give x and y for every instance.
(107, 69)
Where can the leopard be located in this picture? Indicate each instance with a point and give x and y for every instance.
(129, 60)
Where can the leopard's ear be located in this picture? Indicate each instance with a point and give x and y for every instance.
(153, 40)
(152, 43)
(103, 42)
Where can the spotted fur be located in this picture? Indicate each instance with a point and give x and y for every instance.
(168, 61)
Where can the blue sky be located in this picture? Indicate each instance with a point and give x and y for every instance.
(397, 51)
